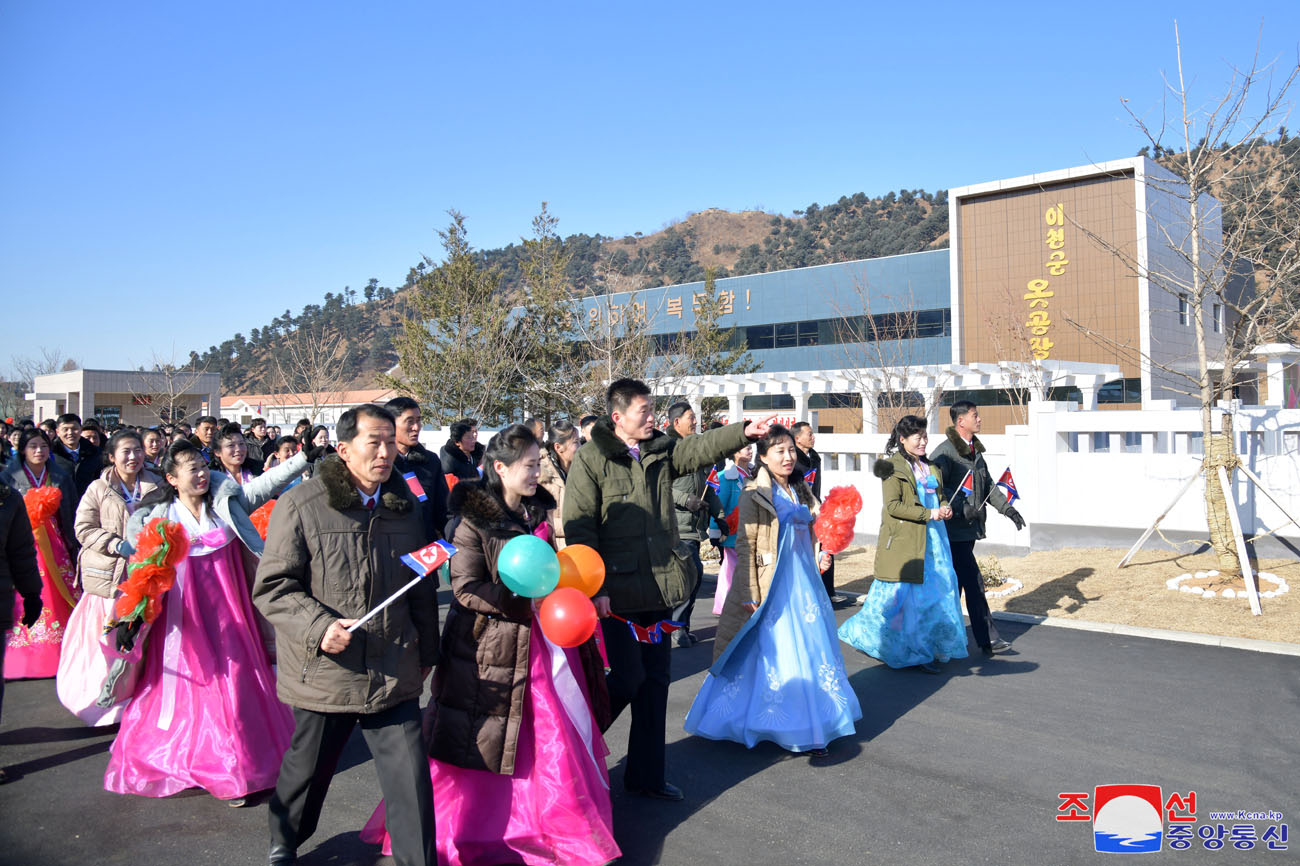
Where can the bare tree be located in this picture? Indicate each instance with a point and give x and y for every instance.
(613, 341)
(876, 335)
(1207, 257)
(308, 369)
(162, 385)
(28, 367)
(1027, 378)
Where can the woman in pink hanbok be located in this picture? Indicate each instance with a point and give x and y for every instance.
(51, 499)
(204, 713)
(517, 758)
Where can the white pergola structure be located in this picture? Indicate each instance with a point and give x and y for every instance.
(928, 381)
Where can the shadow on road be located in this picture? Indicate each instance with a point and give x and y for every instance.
(45, 762)
(1049, 595)
(343, 849)
(33, 735)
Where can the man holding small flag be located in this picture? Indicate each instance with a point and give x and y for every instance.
(335, 548)
(968, 485)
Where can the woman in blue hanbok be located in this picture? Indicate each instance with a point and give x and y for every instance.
(777, 672)
(910, 616)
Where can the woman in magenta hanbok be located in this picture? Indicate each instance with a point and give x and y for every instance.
(517, 758)
(51, 499)
(205, 713)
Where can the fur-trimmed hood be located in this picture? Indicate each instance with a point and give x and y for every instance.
(473, 501)
(964, 450)
(612, 447)
(333, 473)
(895, 464)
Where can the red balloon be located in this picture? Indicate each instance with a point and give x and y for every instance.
(567, 617)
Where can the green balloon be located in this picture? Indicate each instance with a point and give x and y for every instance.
(528, 566)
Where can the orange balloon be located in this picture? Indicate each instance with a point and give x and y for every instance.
(581, 568)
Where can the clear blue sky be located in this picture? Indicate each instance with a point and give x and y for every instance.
(172, 173)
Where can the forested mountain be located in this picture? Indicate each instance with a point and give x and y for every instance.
(854, 227)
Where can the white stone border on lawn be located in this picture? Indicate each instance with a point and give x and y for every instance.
(1009, 586)
(1175, 583)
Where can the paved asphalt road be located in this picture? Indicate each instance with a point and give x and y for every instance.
(964, 767)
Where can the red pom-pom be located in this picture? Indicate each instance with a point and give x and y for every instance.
(837, 517)
(844, 496)
(42, 503)
(261, 518)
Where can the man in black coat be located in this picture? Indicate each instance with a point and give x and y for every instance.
(959, 454)
(414, 459)
(80, 458)
(17, 572)
(462, 454)
(808, 463)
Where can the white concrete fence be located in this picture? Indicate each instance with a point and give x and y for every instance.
(1100, 478)
(1094, 478)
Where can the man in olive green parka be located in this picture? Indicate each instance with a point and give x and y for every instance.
(618, 499)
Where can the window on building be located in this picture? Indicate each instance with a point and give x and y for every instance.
(835, 401)
(769, 403)
(1218, 318)
(1183, 317)
(109, 416)
(761, 336)
(1120, 391)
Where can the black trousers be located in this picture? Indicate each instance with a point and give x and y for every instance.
(401, 763)
(639, 674)
(682, 613)
(971, 582)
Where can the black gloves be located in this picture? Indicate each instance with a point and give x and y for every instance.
(1014, 517)
(31, 610)
(316, 453)
(124, 635)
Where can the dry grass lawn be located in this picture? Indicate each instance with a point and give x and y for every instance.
(1085, 584)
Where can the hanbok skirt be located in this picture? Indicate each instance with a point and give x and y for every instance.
(726, 572)
(781, 678)
(205, 713)
(905, 624)
(34, 652)
(555, 809)
(87, 656)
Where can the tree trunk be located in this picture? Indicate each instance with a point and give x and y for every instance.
(1220, 452)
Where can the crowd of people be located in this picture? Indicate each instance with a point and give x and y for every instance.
(276, 620)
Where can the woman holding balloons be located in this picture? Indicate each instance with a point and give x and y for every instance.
(517, 759)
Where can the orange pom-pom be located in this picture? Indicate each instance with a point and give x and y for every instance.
(42, 503)
(178, 543)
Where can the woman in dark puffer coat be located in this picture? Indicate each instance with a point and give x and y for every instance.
(518, 761)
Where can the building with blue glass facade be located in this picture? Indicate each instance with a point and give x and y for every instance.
(814, 318)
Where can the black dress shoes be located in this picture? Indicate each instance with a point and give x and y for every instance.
(282, 855)
(669, 792)
(998, 646)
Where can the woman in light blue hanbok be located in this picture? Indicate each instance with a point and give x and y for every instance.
(911, 615)
(777, 672)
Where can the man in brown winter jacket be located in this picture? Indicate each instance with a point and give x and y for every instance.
(334, 551)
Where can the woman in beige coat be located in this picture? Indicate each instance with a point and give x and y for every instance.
(777, 673)
(557, 457)
(101, 530)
